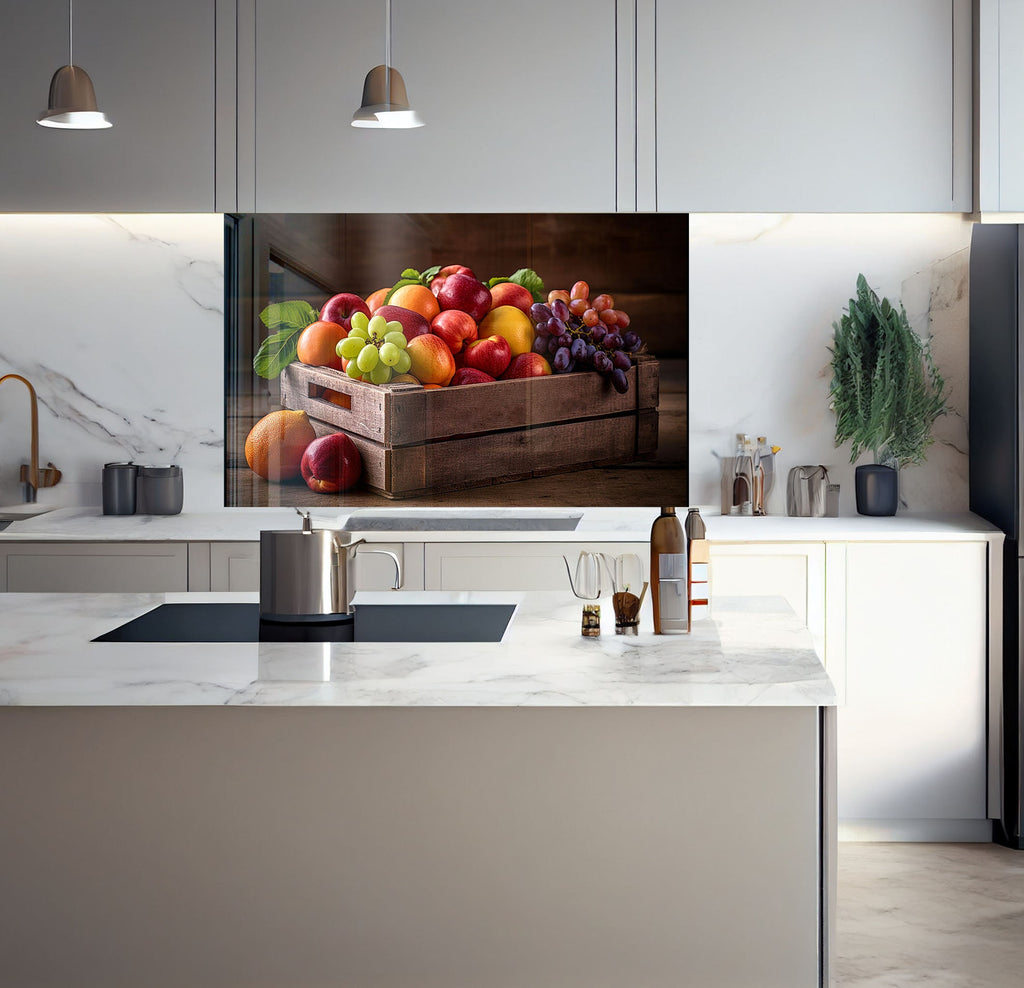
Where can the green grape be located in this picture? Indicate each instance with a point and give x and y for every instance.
(359, 320)
(380, 374)
(350, 346)
(358, 334)
(403, 363)
(367, 359)
(353, 371)
(396, 336)
(393, 327)
(389, 354)
(378, 325)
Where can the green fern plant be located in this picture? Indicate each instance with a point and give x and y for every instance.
(886, 391)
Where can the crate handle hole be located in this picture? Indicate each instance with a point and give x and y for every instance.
(338, 398)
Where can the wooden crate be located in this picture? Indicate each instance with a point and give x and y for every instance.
(414, 441)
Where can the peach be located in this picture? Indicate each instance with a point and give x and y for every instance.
(509, 293)
(455, 327)
(432, 361)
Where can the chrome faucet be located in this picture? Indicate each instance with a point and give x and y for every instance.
(30, 477)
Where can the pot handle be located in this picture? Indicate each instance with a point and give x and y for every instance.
(343, 547)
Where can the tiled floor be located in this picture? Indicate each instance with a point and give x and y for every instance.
(941, 915)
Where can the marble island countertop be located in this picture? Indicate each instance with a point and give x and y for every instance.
(752, 652)
(485, 524)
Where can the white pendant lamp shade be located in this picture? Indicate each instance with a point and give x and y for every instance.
(72, 103)
(385, 103)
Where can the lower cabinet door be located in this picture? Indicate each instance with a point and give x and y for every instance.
(96, 567)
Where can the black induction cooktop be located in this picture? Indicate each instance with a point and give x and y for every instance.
(240, 622)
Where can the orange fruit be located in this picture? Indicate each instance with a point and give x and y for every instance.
(275, 444)
(376, 299)
(337, 398)
(317, 343)
(513, 324)
(419, 298)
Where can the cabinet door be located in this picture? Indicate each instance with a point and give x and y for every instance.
(911, 736)
(235, 566)
(513, 565)
(153, 69)
(1000, 105)
(518, 102)
(97, 567)
(800, 105)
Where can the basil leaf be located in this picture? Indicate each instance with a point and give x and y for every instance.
(430, 274)
(411, 273)
(531, 281)
(276, 352)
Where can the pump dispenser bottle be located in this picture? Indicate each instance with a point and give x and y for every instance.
(668, 574)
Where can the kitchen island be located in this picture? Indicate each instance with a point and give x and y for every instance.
(544, 810)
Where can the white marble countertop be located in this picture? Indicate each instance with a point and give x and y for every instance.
(409, 525)
(753, 651)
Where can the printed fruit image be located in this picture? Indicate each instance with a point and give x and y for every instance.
(413, 324)
(432, 361)
(339, 308)
(509, 293)
(331, 464)
(336, 398)
(455, 327)
(374, 350)
(460, 291)
(449, 269)
(418, 298)
(527, 365)
(275, 444)
(376, 299)
(513, 324)
(318, 344)
(469, 375)
(492, 355)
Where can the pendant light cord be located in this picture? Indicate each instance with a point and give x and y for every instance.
(387, 53)
(71, 32)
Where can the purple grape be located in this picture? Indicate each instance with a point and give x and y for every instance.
(539, 313)
(619, 381)
(540, 345)
(591, 350)
(553, 345)
(630, 340)
(555, 327)
(621, 360)
(636, 346)
(602, 363)
(562, 360)
(578, 349)
(565, 340)
(613, 340)
(560, 310)
(598, 333)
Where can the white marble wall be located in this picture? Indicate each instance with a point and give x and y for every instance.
(764, 292)
(118, 322)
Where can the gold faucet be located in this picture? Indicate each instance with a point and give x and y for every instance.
(29, 475)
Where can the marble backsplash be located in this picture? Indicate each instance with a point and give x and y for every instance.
(117, 320)
(764, 292)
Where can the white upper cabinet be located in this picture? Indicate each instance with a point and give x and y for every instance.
(152, 66)
(800, 105)
(518, 99)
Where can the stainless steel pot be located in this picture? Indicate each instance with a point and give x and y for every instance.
(307, 574)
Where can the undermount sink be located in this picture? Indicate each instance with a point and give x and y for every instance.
(18, 512)
(462, 520)
(240, 622)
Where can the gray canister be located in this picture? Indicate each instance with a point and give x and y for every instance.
(119, 481)
(159, 490)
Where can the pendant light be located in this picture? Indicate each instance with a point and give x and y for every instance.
(385, 103)
(72, 104)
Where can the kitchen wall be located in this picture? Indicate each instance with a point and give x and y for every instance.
(118, 322)
(764, 292)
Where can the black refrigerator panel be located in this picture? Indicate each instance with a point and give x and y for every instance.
(995, 406)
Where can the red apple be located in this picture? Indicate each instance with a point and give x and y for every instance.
(509, 293)
(491, 355)
(339, 309)
(455, 327)
(438, 280)
(460, 291)
(413, 324)
(331, 464)
(527, 365)
(469, 375)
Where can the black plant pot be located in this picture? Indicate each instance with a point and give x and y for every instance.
(878, 489)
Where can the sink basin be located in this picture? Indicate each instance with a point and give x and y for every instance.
(18, 512)
(463, 520)
(240, 622)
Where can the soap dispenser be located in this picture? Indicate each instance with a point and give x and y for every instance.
(668, 574)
